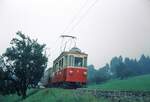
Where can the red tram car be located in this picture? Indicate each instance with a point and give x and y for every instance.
(70, 69)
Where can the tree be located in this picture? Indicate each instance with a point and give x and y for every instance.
(1, 68)
(102, 75)
(114, 63)
(26, 59)
(5, 87)
(122, 71)
(91, 73)
(144, 64)
(133, 65)
(1, 76)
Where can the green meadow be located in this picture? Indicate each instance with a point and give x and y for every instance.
(139, 83)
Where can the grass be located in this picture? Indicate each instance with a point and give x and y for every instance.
(52, 95)
(15, 97)
(9, 98)
(136, 83)
(61, 95)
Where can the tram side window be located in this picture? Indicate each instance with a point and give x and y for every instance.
(55, 66)
(71, 60)
(61, 63)
(78, 62)
(65, 61)
(85, 61)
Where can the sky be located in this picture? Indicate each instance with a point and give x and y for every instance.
(104, 28)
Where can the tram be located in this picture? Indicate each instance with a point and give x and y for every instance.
(70, 69)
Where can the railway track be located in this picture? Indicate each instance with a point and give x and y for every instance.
(113, 93)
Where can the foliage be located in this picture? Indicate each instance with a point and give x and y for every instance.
(5, 82)
(122, 71)
(26, 61)
(98, 76)
(91, 73)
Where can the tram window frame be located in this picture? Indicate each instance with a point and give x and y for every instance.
(77, 59)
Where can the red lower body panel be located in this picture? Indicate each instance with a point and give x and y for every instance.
(70, 74)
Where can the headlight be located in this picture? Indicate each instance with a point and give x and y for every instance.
(85, 73)
(70, 72)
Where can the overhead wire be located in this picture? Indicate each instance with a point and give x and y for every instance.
(66, 43)
(75, 16)
(86, 12)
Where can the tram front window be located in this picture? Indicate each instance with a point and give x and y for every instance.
(78, 62)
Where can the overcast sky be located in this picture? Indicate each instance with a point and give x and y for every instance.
(105, 28)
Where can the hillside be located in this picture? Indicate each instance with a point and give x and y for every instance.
(134, 83)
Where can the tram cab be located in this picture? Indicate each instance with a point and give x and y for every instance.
(70, 68)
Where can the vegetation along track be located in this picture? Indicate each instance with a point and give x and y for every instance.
(116, 95)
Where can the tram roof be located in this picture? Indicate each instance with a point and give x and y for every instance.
(69, 53)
